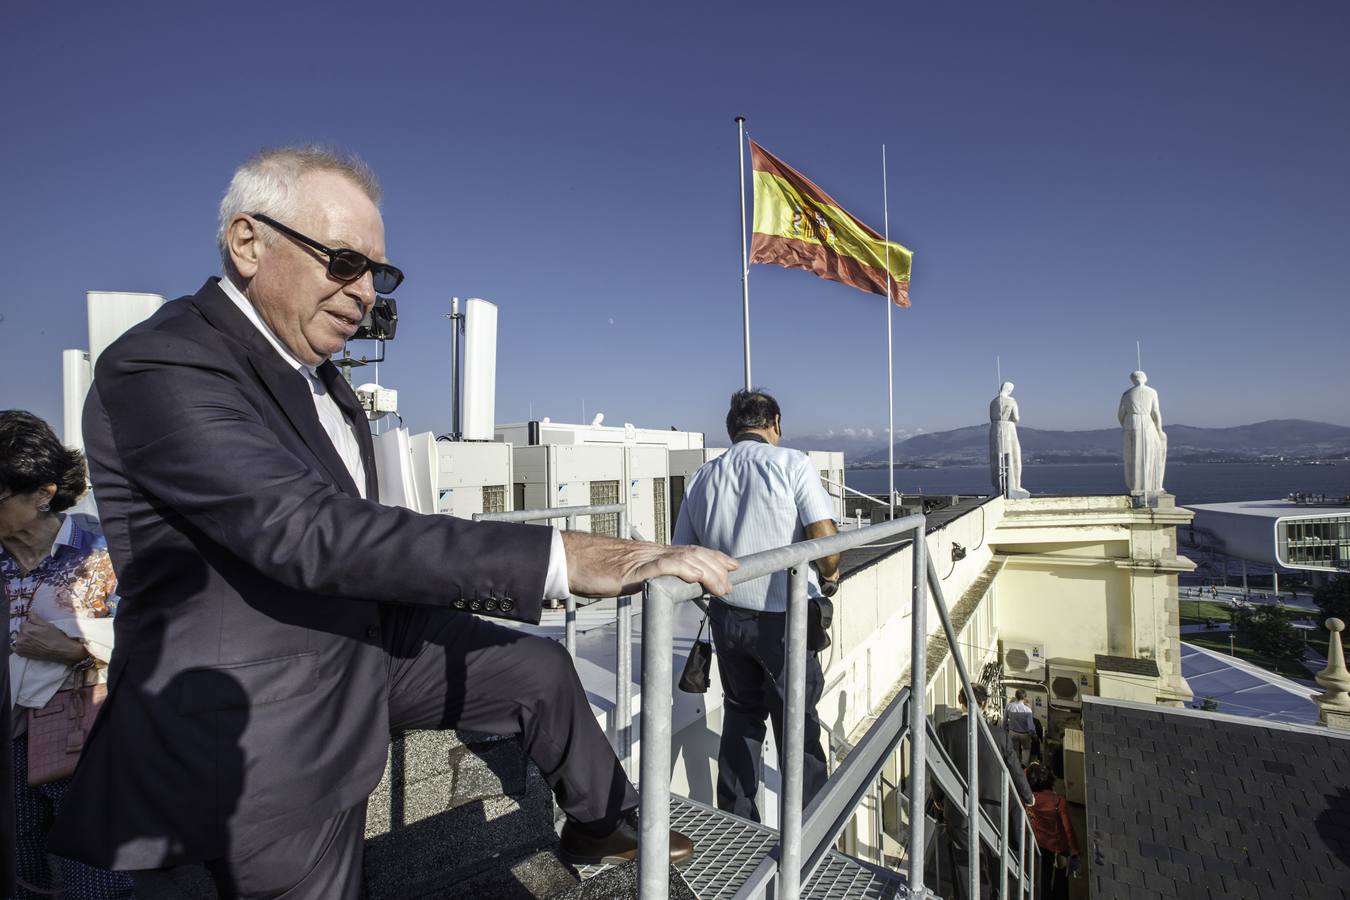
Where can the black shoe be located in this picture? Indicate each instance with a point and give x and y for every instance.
(581, 847)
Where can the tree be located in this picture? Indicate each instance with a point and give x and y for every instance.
(1333, 598)
(1267, 631)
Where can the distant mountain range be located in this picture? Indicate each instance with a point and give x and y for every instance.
(1290, 438)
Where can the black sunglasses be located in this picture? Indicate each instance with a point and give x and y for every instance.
(344, 265)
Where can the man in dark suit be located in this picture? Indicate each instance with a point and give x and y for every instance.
(954, 736)
(276, 623)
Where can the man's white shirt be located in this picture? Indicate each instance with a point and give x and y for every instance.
(339, 431)
(752, 498)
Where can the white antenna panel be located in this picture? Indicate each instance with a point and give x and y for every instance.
(75, 377)
(111, 313)
(480, 369)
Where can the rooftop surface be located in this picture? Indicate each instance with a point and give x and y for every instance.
(1243, 689)
(854, 560)
(1273, 509)
(1187, 804)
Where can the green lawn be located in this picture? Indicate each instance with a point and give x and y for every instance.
(1197, 611)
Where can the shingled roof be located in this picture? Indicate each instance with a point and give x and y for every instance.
(1189, 804)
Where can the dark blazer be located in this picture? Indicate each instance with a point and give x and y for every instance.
(248, 689)
(955, 740)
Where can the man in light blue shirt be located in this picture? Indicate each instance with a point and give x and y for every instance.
(1021, 724)
(755, 497)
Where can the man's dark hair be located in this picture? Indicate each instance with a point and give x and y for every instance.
(31, 456)
(751, 409)
(1020, 694)
(1040, 778)
(981, 695)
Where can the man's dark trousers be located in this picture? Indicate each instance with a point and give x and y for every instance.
(447, 670)
(752, 658)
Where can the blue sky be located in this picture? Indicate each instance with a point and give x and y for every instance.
(1071, 177)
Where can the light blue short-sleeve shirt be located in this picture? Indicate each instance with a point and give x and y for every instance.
(752, 498)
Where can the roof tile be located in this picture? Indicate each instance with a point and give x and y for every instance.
(1196, 806)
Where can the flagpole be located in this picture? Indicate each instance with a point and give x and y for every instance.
(890, 369)
(745, 255)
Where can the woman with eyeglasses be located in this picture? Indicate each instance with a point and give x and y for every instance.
(61, 590)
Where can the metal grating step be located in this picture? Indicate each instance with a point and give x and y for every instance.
(728, 849)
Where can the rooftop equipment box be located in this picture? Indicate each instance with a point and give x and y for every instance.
(830, 465)
(1069, 680)
(647, 470)
(554, 475)
(683, 464)
(472, 478)
(545, 431)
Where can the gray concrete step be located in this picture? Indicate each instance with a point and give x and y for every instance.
(620, 883)
(456, 815)
(461, 815)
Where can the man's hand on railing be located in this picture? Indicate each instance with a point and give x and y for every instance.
(599, 566)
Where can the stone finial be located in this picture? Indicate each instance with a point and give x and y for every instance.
(1334, 702)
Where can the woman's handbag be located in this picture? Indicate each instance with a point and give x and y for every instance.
(697, 674)
(57, 732)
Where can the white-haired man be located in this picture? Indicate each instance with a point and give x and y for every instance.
(276, 622)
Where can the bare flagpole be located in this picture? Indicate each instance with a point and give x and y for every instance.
(1138, 357)
(745, 256)
(890, 369)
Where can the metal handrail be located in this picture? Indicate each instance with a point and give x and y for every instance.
(978, 730)
(622, 724)
(905, 717)
(570, 513)
(849, 490)
(817, 827)
(660, 595)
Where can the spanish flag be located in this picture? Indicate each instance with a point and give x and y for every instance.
(799, 226)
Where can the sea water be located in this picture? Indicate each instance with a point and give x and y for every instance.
(1189, 482)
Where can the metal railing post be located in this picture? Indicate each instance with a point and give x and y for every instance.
(973, 736)
(1003, 812)
(623, 669)
(794, 739)
(570, 609)
(1028, 875)
(658, 618)
(918, 689)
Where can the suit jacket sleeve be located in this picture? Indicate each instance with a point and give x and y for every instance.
(190, 434)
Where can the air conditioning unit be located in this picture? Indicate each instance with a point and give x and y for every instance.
(1023, 660)
(1069, 680)
(1038, 698)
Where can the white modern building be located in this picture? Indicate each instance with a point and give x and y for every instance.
(1288, 534)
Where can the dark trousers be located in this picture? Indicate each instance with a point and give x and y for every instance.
(1051, 883)
(451, 670)
(752, 659)
(35, 808)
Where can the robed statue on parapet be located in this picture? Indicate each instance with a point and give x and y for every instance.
(1005, 451)
(1143, 442)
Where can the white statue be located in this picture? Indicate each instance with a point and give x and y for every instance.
(1003, 441)
(1142, 437)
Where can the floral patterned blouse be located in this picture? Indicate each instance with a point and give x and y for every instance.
(76, 580)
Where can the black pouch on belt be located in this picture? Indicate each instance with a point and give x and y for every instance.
(697, 674)
(819, 615)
